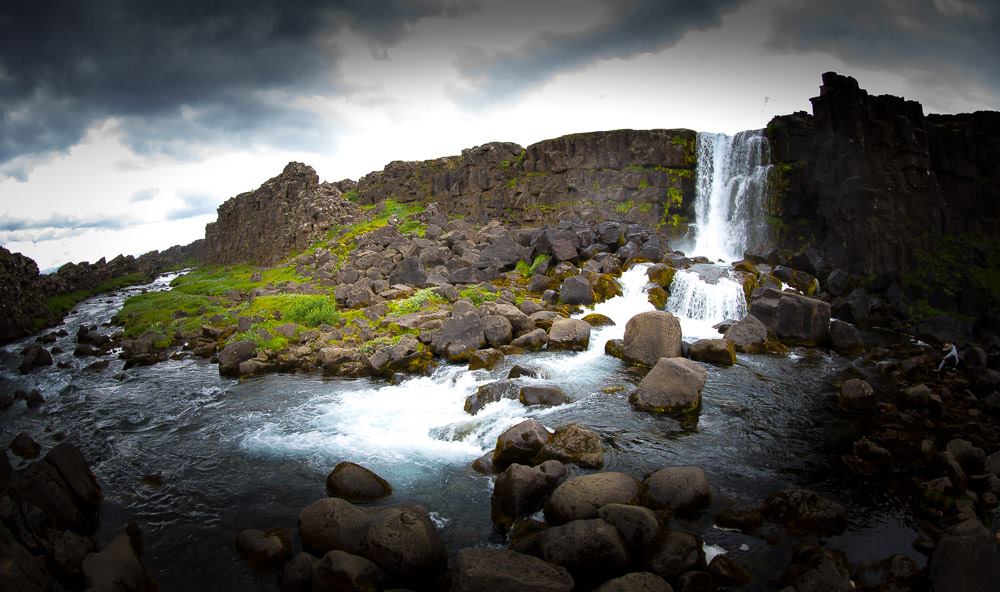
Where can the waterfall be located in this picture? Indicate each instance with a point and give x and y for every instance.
(730, 195)
(701, 300)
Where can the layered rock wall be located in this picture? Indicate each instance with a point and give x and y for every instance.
(857, 178)
(285, 214)
(643, 176)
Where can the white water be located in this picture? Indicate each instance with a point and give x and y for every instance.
(730, 194)
(407, 428)
(700, 304)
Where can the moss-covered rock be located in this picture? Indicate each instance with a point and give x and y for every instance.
(657, 297)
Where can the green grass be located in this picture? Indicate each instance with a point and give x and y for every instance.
(675, 198)
(343, 239)
(624, 207)
(644, 184)
(352, 195)
(477, 295)
(63, 303)
(310, 310)
(166, 313)
(416, 302)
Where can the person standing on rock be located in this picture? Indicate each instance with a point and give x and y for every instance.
(949, 358)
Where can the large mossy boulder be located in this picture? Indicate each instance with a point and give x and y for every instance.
(650, 336)
(792, 318)
(672, 387)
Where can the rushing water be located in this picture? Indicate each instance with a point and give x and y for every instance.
(702, 297)
(252, 453)
(731, 193)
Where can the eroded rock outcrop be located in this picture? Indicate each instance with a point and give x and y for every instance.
(285, 214)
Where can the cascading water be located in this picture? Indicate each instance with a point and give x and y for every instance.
(731, 194)
(701, 300)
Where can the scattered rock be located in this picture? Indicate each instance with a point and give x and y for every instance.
(338, 570)
(672, 387)
(490, 393)
(24, 446)
(233, 355)
(681, 489)
(485, 359)
(34, 356)
(792, 317)
(355, 483)
(650, 336)
(569, 334)
(519, 444)
(637, 525)
(573, 444)
(720, 352)
(459, 337)
(591, 550)
(500, 570)
(520, 491)
(856, 396)
(596, 319)
(265, 548)
(802, 511)
(533, 340)
(116, 568)
(404, 542)
(518, 371)
(845, 339)
(576, 290)
(547, 395)
(581, 497)
(333, 523)
(641, 581)
(674, 553)
(748, 335)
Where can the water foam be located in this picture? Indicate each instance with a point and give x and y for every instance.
(700, 304)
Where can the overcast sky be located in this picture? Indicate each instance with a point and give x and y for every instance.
(125, 123)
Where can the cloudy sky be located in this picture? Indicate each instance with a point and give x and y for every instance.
(125, 123)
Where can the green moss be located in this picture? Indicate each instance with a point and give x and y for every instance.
(477, 295)
(624, 207)
(352, 195)
(675, 198)
(645, 208)
(527, 270)
(512, 183)
(420, 299)
(644, 184)
(166, 313)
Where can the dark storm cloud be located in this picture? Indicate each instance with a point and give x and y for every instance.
(633, 27)
(194, 204)
(143, 195)
(939, 42)
(178, 72)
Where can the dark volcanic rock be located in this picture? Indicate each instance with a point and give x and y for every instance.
(355, 483)
(543, 394)
(805, 512)
(672, 387)
(500, 570)
(574, 444)
(520, 491)
(576, 290)
(571, 334)
(519, 444)
(459, 337)
(650, 336)
(581, 497)
(233, 355)
(642, 581)
(681, 489)
(285, 214)
(591, 550)
(264, 548)
(338, 570)
(792, 317)
(404, 542)
(748, 335)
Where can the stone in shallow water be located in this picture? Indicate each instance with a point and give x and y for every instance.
(650, 336)
(672, 387)
(488, 570)
(356, 483)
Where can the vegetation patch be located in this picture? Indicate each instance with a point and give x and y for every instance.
(527, 270)
(63, 303)
(477, 295)
(420, 299)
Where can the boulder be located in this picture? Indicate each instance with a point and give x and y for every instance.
(802, 511)
(355, 483)
(296, 576)
(793, 318)
(116, 568)
(845, 339)
(574, 444)
(458, 338)
(264, 548)
(748, 335)
(25, 446)
(966, 560)
(403, 541)
(672, 387)
(637, 525)
(581, 497)
(34, 356)
(490, 393)
(596, 319)
(519, 491)
(519, 444)
(641, 581)
(517, 371)
(591, 550)
(615, 348)
(569, 334)
(727, 572)
(497, 330)
(500, 570)
(543, 394)
(503, 253)
(409, 272)
(674, 553)
(333, 523)
(408, 355)
(233, 355)
(650, 336)
(533, 340)
(720, 352)
(340, 361)
(338, 570)
(576, 290)
(485, 359)
(856, 396)
(681, 489)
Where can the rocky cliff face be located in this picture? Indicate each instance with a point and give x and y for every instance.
(856, 178)
(285, 214)
(20, 299)
(643, 176)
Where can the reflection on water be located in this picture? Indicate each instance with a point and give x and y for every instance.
(234, 455)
